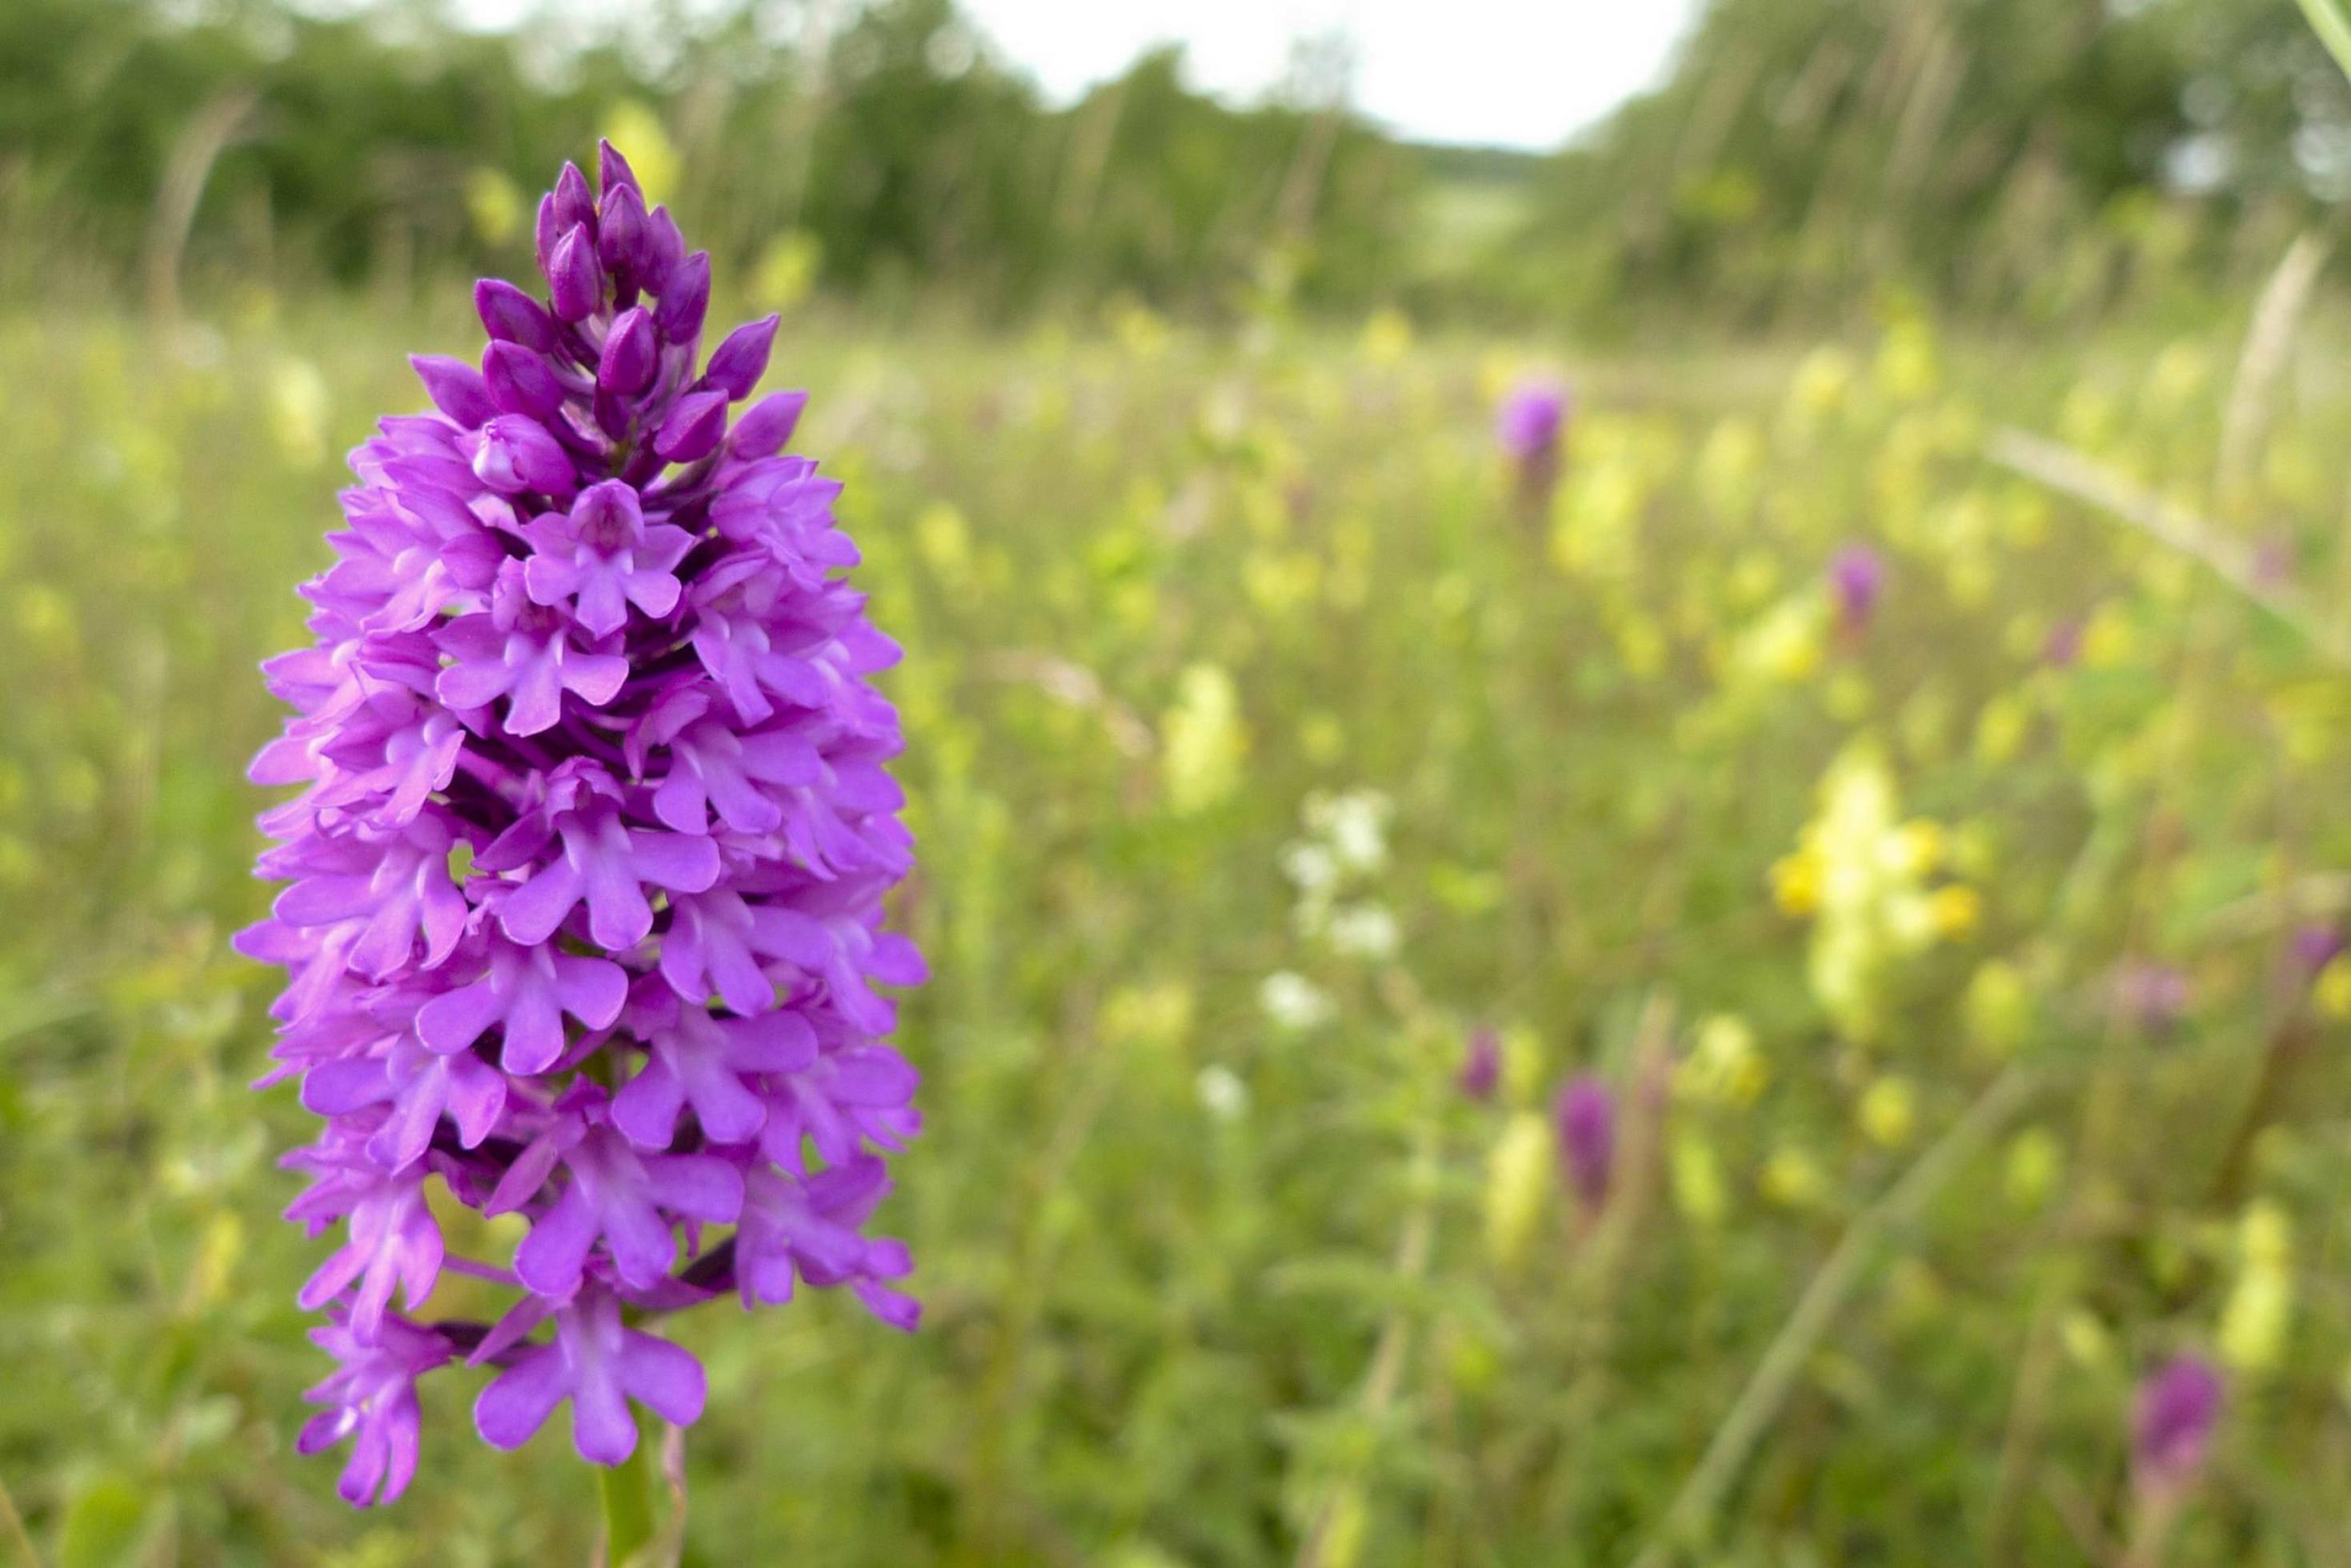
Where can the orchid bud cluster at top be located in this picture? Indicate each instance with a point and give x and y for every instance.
(589, 864)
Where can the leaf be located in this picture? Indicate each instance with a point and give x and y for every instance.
(105, 1525)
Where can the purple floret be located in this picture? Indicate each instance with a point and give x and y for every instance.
(1585, 1111)
(1857, 580)
(587, 874)
(1532, 418)
(2178, 1408)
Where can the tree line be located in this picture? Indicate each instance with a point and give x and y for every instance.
(2037, 156)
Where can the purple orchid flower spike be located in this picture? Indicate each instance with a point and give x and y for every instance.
(1586, 1116)
(1530, 427)
(1857, 580)
(587, 862)
(2171, 1425)
(2315, 946)
(1481, 1065)
(2173, 1421)
(2151, 997)
(1533, 417)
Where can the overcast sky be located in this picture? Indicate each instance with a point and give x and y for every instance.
(1516, 73)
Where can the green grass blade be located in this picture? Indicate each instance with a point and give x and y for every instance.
(2334, 29)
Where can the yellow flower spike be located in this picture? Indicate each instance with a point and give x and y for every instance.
(1823, 382)
(1158, 1014)
(1848, 696)
(787, 270)
(1794, 1179)
(216, 1263)
(2025, 519)
(2088, 417)
(1918, 847)
(1730, 467)
(943, 539)
(2258, 1318)
(1753, 576)
(2257, 1321)
(2265, 1235)
(1472, 1363)
(1888, 1112)
(2035, 1164)
(1525, 1067)
(1518, 1186)
(2001, 730)
(2178, 374)
(45, 615)
(298, 411)
(1956, 911)
(1497, 373)
(1387, 336)
(1202, 739)
(2086, 1340)
(1139, 329)
(1971, 579)
(1907, 368)
(1641, 646)
(494, 206)
(1321, 737)
(2108, 642)
(2331, 992)
(1997, 1008)
(1723, 1067)
(1796, 884)
(1700, 1193)
(1915, 1295)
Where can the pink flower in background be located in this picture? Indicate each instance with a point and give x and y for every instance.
(1481, 1065)
(1585, 1114)
(1857, 580)
(1530, 427)
(2172, 1423)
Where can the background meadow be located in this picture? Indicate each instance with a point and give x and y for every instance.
(1961, 964)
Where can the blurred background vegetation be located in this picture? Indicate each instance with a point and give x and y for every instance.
(1961, 957)
(2040, 160)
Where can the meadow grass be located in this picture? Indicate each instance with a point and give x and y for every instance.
(1221, 650)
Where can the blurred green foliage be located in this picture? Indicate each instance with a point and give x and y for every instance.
(880, 141)
(2052, 158)
(1258, 748)
(1263, 743)
(2012, 157)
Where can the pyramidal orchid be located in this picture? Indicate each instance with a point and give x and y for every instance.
(1530, 428)
(587, 871)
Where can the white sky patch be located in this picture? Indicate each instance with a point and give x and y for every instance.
(1512, 72)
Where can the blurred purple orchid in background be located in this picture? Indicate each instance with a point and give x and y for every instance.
(2172, 1423)
(1530, 428)
(1857, 580)
(1585, 1113)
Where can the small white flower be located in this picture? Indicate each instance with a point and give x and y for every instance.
(1222, 1094)
(1355, 826)
(1293, 1001)
(1364, 931)
(1311, 869)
